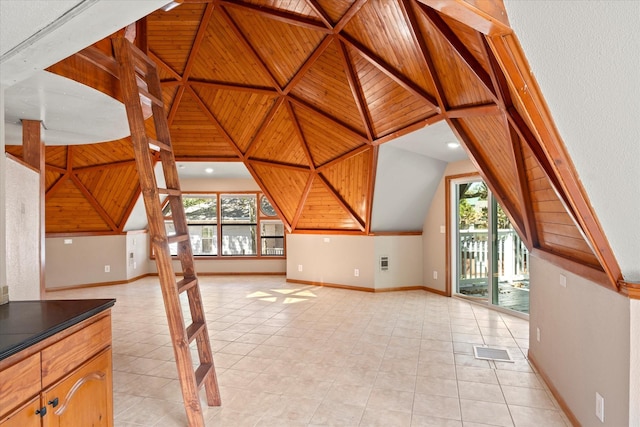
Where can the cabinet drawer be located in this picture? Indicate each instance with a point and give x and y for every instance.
(26, 416)
(64, 356)
(19, 382)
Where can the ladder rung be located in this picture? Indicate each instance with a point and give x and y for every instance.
(148, 99)
(194, 330)
(202, 372)
(186, 284)
(177, 238)
(156, 145)
(169, 191)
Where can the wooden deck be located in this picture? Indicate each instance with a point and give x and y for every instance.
(510, 297)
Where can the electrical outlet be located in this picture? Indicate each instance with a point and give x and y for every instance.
(107, 269)
(135, 265)
(356, 272)
(327, 240)
(538, 334)
(599, 407)
(563, 280)
(435, 274)
(68, 241)
(299, 267)
(442, 229)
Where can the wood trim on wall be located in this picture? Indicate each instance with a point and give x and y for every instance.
(630, 289)
(589, 273)
(364, 288)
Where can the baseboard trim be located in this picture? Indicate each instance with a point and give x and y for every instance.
(95, 285)
(367, 289)
(200, 274)
(563, 405)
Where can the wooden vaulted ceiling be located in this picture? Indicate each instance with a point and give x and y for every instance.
(304, 91)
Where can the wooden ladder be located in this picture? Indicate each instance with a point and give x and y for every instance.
(140, 84)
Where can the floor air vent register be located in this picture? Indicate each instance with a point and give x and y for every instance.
(490, 353)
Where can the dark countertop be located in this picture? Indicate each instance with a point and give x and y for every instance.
(24, 323)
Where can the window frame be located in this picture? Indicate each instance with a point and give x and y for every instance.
(260, 217)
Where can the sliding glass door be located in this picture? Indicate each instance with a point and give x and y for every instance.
(490, 261)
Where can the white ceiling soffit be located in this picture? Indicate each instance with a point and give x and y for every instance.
(71, 113)
(590, 82)
(38, 33)
(405, 185)
(431, 141)
(219, 170)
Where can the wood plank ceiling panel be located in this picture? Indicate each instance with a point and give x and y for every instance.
(557, 231)
(295, 7)
(240, 113)
(382, 27)
(280, 141)
(69, 211)
(459, 83)
(335, 9)
(326, 86)
(322, 211)
(168, 96)
(317, 130)
(391, 107)
(223, 57)
(194, 135)
(350, 179)
(102, 153)
(285, 185)
(493, 150)
(283, 47)
(112, 188)
(470, 38)
(168, 33)
(56, 156)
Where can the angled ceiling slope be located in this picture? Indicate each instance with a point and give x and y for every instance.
(305, 92)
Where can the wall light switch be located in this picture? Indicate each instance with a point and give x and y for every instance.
(107, 269)
(68, 241)
(299, 267)
(563, 280)
(599, 407)
(327, 240)
(435, 274)
(538, 334)
(442, 229)
(356, 272)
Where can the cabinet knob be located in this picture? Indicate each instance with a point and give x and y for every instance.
(53, 402)
(42, 411)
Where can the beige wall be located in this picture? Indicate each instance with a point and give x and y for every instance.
(137, 255)
(332, 259)
(233, 265)
(584, 343)
(433, 241)
(22, 231)
(3, 169)
(83, 261)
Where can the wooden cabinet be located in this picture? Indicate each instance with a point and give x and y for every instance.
(65, 381)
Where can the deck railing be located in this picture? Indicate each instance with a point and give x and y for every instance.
(513, 257)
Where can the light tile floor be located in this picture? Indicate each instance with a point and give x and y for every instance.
(293, 355)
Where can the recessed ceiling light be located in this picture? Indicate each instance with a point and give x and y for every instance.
(453, 145)
(209, 170)
(167, 7)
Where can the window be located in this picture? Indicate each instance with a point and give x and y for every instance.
(230, 225)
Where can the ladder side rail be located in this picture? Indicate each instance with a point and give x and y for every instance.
(157, 231)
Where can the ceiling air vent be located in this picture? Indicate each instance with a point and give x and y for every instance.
(384, 263)
(488, 353)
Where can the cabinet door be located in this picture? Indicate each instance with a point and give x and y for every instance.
(84, 397)
(25, 416)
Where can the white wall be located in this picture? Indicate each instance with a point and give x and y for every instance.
(433, 241)
(332, 259)
(83, 261)
(22, 206)
(584, 343)
(137, 255)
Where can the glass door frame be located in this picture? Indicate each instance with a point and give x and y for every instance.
(452, 242)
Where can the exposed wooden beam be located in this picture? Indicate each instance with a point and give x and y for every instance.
(326, 20)
(130, 205)
(416, 35)
(303, 201)
(98, 58)
(279, 15)
(387, 70)
(161, 64)
(271, 163)
(460, 48)
(305, 146)
(487, 17)
(356, 91)
(345, 156)
(474, 111)
(410, 128)
(105, 166)
(531, 238)
(371, 186)
(355, 7)
(275, 205)
(233, 86)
